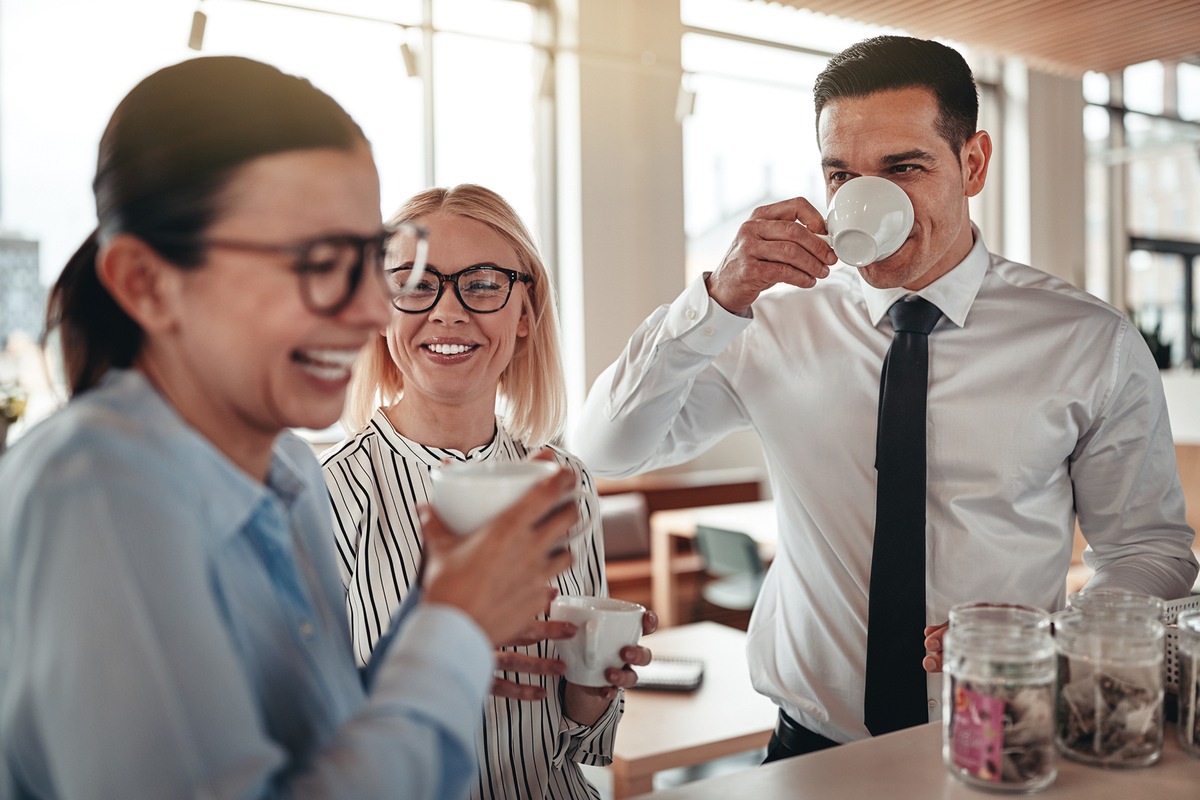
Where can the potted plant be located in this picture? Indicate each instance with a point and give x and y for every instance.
(12, 407)
(1160, 348)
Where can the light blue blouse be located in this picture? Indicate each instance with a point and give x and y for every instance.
(170, 627)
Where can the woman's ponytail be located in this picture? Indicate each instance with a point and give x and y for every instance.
(165, 162)
(95, 333)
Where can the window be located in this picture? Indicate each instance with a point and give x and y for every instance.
(64, 66)
(749, 141)
(1143, 180)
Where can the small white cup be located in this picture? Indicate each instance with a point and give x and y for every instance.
(605, 626)
(869, 219)
(468, 494)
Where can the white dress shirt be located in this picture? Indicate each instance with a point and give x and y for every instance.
(1044, 406)
(376, 480)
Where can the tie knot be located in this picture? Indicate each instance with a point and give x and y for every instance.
(914, 315)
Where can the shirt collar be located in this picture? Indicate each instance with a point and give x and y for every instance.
(435, 456)
(210, 474)
(953, 293)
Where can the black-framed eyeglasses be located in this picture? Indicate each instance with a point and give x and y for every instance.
(483, 288)
(330, 268)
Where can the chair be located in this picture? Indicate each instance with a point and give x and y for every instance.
(732, 558)
(624, 519)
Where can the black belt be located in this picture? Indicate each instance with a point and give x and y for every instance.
(798, 739)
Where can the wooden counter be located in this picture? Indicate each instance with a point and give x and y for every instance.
(907, 765)
(664, 730)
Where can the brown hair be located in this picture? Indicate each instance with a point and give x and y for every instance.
(170, 150)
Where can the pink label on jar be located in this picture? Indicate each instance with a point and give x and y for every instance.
(977, 742)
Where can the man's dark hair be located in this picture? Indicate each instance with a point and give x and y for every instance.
(900, 62)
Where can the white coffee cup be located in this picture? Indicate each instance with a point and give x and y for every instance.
(468, 494)
(605, 626)
(869, 219)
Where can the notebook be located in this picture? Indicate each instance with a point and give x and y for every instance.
(671, 674)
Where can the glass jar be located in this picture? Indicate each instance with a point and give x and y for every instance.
(1004, 614)
(998, 706)
(1116, 600)
(1188, 650)
(1110, 687)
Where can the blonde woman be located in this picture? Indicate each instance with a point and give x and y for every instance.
(480, 334)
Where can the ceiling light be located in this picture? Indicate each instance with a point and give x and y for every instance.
(196, 37)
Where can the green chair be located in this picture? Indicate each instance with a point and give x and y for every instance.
(731, 557)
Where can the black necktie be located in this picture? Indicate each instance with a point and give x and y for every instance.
(895, 687)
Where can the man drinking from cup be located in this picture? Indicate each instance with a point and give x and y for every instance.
(934, 422)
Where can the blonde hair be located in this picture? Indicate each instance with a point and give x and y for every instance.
(532, 388)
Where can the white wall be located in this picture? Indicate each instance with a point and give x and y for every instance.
(621, 251)
(1182, 388)
(1043, 160)
(1056, 176)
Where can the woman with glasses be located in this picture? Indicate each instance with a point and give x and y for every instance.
(476, 332)
(171, 618)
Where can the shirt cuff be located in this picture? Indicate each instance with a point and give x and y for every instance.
(702, 323)
(589, 744)
(440, 666)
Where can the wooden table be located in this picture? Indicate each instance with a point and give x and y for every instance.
(664, 730)
(907, 765)
(756, 519)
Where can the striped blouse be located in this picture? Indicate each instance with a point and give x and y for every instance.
(376, 479)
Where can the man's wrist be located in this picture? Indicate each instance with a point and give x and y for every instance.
(734, 306)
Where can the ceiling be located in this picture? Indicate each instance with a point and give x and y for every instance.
(1067, 37)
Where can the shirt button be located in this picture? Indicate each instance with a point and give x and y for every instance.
(306, 630)
(690, 313)
(710, 330)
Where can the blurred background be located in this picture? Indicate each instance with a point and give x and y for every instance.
(635, 135)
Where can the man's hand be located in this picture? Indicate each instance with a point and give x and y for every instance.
(772, 248)
(933, 644)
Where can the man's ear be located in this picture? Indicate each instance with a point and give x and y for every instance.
(976, 155)
(143, 283)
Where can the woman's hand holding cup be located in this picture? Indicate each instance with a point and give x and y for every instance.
(584, 703)
(498, 575)
(538, 630)
(601, 655)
